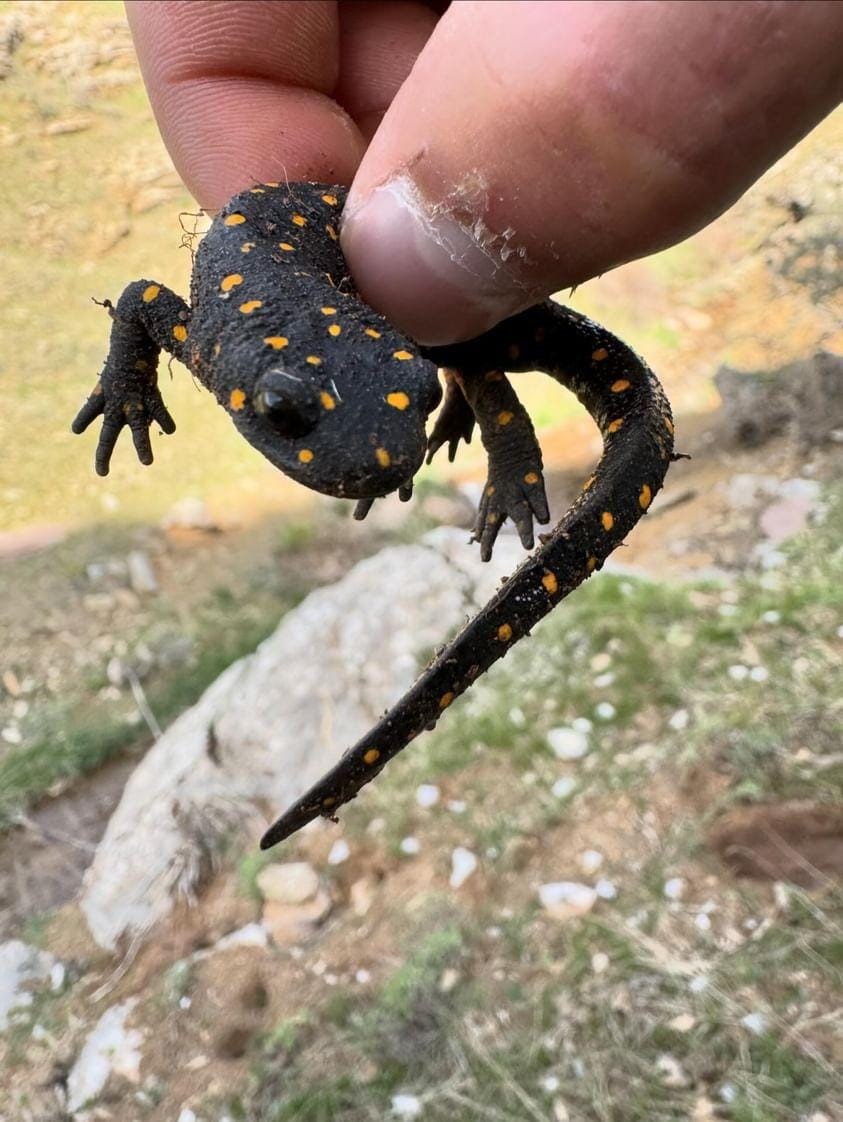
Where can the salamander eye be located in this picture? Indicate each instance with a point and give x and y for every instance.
(287, 402)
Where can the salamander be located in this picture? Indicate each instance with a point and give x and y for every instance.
(332, 395)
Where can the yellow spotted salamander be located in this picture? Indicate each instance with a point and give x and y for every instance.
(329, 392)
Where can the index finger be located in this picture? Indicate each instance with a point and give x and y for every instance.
(242, 91)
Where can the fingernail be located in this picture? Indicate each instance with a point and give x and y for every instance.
(438, 277)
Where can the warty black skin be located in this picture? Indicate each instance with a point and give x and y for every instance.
(269, 285)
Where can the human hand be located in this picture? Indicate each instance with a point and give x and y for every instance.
(533, 145)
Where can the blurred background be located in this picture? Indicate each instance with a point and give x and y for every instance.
(607, 886)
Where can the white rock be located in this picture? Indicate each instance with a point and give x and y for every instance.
(601, 662)
(410, 846)
(340, 851)
(604, 680)
(363, 977)
(674, 888)
(679, 720)
(560, 1111)
(457, 806)
(590, 861)
(12, 734)
(600, 962)
(683, 1022)
(517, 718)
(671, 1071)
(605, 889)
(564, 787)
(406, 1106)
(142, 576)
(702, 922)
(759, 674)
(449, 979)
(568, 743)
(427, 794)
(293, 882)
(728, 1092)
(772, 616)
(582, 724)
(111, 1048)
(699, 983)
(183, 799)
(738, 673)
(756, 1023)
(605, 710)
(463, 864)
(549, 1083)
(187, 1115)
(20, 966)
(249, 935)
(565, 899)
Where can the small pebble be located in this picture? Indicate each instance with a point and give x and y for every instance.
(601, 662)
(605, 889)
(340, 851)
(671, 1071)
(679, 720)
(564, 899)
(738, 673)
(590, 861)
(604, 680)
(756, 1023)
(463, 864)
(550, 1083)
(406, 1106)
(759, 673)
(410, 846)
(517, 718)
(699, 983)
(599, 962)
(563, 787)
(363, 977)
(771, 617)
(568, 743)
(605, 710)
(683, 1022)
(674, 888)
(427, 795)
(582, 724)
(728, 1093)
(456, 806)
(702, 922)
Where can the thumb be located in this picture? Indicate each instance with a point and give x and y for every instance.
(537, 144)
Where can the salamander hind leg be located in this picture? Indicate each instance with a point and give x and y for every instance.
(515, 485)
(146, 318)
(455, 421)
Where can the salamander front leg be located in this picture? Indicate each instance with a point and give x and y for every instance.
(515, 486)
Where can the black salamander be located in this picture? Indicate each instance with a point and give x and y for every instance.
(331, 394)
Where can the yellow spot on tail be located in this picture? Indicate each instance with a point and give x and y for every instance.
(504, 417)
(504, 633)
(599, 355)
(328, 311)
(615, 425)
(250, 306)
(331, 232)
(180, 332)
(608, 520)
(531, 477)
(370, 331)
(591, 564)
(327, 401)
(234, 220)
(402, 356)
(277, 342)
(335, 330)
(286, 247)
(490, 489)
(299, 220)
(331, 200)
(237, 400)
(446, 699)
(231, 281)
(272, 184)
(305, 456)
(621, 385)
(329, 801)
(150, 292)
(645, 497)
(141, 364)
(383, 457)
(247, 247)
(217, 349)
(397, 400)
(372, 756)
(550, 582)
(668, 424)
(314, 360)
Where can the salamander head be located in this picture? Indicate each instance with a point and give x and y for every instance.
(348, 421)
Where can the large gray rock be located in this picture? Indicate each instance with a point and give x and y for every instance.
(274, 722)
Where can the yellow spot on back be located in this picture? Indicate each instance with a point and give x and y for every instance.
(272, 184)
(372, 756)
(234, 220)
(615, 425)
(247, 247)
(504, 633)
(150, 292)
(490, 489)
(180, 332)
(327, 401)
(257, 191)
(397, 400)
(370, 331)
(331, 232)
(217, 348)
(250, 306)
(621, 385)
(599, 355)
(331, 200)
(668, 424)
(314, 360)
(326, 311)
(305, 456)
(591, 564)
(299, 220)
(402, 356)
(141, 364)
(446, 699)
(286, 247)
(531, 477)
(277, 342)
(383, 457)
(645, 497)
(334, 330)
(550, 582)
(608, 520)
(231, 281)
(504, 417)
(237, 400)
